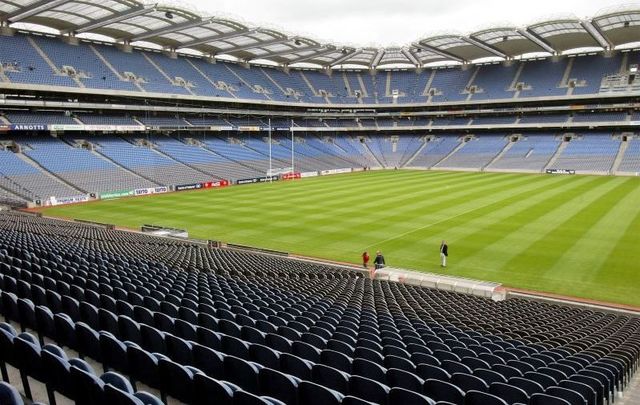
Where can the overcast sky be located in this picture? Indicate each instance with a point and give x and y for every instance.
(392, 22)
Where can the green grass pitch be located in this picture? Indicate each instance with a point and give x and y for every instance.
(572, 235)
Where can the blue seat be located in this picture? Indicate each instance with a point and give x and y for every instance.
(404, 379)
(143, 366)
(27, 314)
(264, 355)
(368, 389)
(176, 380)
(211, 391)
(9, 395)
(545, 399)
(88, 342)
(45, 324)
(469, 382)
(295, 366)
(511, 394)
(87, 387)
(482, 398)
(113, 352)
(129, 329)
(529, 386)
(278, 385)
(426, 371)
(330, 377)
(147, 398)
(569, 395)
(588, 392)
(152, 339)
(241, 372)
(234, 346)
(369, 369)
(399, 395)
(313, 394)
(443, 391)
(179, 350)
(208, 361)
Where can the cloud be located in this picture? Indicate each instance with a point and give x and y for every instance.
(387, 22)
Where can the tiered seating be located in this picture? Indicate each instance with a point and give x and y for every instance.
(256, 78)
(333, 86)
(206, 161)
(27, 181)
(451, 83)
(476, 153)
(29, 67)
(90, 70)
(225, 79)
(45, 118)
(162, 121)
(9, 198)
(592, 153)
(494, 81)
(148, 163)
(292, 80)
(530, 153)
(631, 160)
(135, 62)
(450, 121)
(543, 119)
(332, 156)
(600, 116)
(482, 120)
(106, 119)
(355, 151)
(591, 69)
(543, 77)
(406, 146)
(80, 167)
(435, 151)
(202, 325)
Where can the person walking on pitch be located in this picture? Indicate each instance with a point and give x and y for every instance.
(444, 252)
(365, 260)
(379, 260)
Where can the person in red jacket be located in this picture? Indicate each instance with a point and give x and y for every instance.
(365, 259)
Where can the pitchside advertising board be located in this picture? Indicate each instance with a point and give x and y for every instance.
(151, 190)
(66, 200)
(198, 186)
(560, 171)
(335, 171)
(291, 176)
(258, 180)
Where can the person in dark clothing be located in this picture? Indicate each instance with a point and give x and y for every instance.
(444, 253)
(379, 260)
(365, 260)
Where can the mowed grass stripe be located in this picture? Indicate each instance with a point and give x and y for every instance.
(600, 239)
(460, 226)
(504, 227)
(478, 209)
(483, 249)
(553, 237)
(616, 279)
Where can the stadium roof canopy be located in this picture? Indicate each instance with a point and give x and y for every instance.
(175, 28)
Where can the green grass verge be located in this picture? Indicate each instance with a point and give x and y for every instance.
(570, 235)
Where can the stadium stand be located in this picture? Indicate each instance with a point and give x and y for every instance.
(631, 160)
(50, 61)
(78, 164)
(595, 153)
(476, 154)
(189, 322)
(532, 152)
